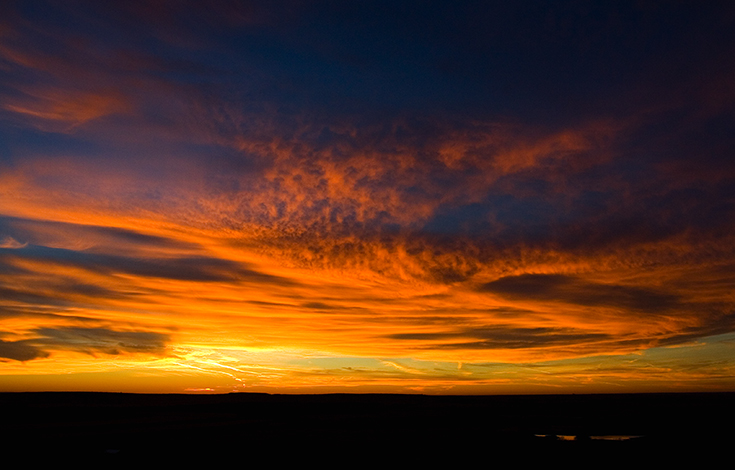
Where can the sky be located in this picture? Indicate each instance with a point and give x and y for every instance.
(367, 196)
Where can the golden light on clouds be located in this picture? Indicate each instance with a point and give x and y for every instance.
(177, 220)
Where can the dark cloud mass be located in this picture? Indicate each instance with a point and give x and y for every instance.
(569, 289)
(20, 351)
(83, 340)
(101, 340)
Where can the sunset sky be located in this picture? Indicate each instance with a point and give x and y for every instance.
(367, 196)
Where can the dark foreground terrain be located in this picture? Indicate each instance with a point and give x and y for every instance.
(247, 430)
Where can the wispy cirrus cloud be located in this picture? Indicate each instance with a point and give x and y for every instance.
(11, 243)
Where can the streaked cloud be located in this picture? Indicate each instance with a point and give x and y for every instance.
(363, 195)
(102, 340)
(568, 289)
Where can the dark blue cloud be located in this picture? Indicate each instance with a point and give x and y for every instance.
(193, 268)
(573, 290)
(504, 337)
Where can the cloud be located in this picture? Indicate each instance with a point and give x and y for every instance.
(369, 180)
(572, 290)
(95, 238)
(57, 292)
(319, 306)
(193, 268)
(503, 337)
(711, 325)
(11, 243)
(60, 106)
(21, 351)
(100, 340)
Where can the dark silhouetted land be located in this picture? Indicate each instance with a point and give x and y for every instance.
(348, 430)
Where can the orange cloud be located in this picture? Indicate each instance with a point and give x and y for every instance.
(187, 231)
(65, 108)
